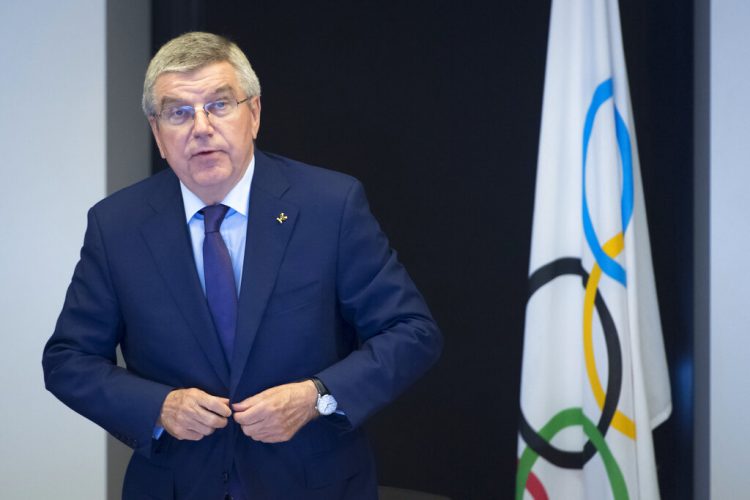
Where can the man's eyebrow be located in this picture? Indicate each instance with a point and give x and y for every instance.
(169, 101)
(224, 89)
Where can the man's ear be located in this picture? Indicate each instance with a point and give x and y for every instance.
(255, 113)
(155, 130)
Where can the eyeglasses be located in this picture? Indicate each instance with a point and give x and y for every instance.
(179, 115)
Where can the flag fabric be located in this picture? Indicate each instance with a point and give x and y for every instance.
(594, 380)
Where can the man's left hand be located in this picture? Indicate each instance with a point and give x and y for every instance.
(276, 414)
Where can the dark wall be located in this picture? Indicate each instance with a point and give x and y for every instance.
(659, 51)
(435, 106)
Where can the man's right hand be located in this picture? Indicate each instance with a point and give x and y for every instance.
(193, 414)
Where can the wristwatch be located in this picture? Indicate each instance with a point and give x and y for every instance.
(326, 404)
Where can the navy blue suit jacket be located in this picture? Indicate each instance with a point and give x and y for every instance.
(322, 294)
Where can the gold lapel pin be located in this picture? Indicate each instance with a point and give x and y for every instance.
(281, 218)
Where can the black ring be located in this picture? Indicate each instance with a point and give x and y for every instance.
(554, 455)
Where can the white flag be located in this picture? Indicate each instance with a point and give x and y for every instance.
(594, 381)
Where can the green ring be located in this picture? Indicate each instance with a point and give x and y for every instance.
(564, 419)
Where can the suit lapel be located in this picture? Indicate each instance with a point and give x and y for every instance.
(266, 243)
(168, 239)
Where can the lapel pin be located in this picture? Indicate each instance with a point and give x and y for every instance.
(281, 218)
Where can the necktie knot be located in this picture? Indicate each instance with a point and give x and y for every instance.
(213, 216)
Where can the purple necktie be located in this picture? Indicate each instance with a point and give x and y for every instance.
(221, 292)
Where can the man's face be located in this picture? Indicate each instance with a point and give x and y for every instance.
(209, 154)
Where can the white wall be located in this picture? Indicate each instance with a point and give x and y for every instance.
(52, 168)
(729, 250)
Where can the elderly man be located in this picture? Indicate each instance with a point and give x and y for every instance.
(259, 308)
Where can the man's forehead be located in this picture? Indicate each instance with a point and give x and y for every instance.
(214, 78)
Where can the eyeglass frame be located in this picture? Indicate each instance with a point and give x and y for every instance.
(194, 111)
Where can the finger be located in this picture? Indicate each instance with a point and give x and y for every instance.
(192, 431)
(273, 439)
(208, 418)
(247, 403)
(247, 431)
(251, 416)
(188, 435)
(252, 407)
(191, 411)
(270, 430)
(219, 406)
(269, 400)
(197, 427)
(269, 436)
(256, 433)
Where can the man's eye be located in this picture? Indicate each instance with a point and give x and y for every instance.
(220, 104)
(178, 112)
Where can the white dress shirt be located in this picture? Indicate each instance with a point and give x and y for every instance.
(233, 229)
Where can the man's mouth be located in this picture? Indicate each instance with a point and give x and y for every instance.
(205, 152)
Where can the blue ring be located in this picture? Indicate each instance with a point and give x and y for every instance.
(604, 92)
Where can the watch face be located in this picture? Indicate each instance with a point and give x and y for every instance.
(326, 404)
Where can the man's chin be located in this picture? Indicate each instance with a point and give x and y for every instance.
(211, 185)
(210, 171)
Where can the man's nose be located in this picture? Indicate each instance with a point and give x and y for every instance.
(202, 123)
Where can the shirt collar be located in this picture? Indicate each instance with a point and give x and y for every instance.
(238, 199)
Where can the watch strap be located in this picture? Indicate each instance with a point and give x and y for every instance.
(320, 386)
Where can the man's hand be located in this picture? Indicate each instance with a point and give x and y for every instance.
(276, 414)
(193, 414)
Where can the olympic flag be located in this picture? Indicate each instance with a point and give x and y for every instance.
(594, 381)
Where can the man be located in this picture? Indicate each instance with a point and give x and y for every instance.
(251, 296)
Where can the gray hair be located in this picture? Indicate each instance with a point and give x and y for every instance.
(192, 51)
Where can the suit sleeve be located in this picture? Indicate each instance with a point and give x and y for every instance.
(79, 360)
(399, 339)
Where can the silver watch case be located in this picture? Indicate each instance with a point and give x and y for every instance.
(326, 404)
